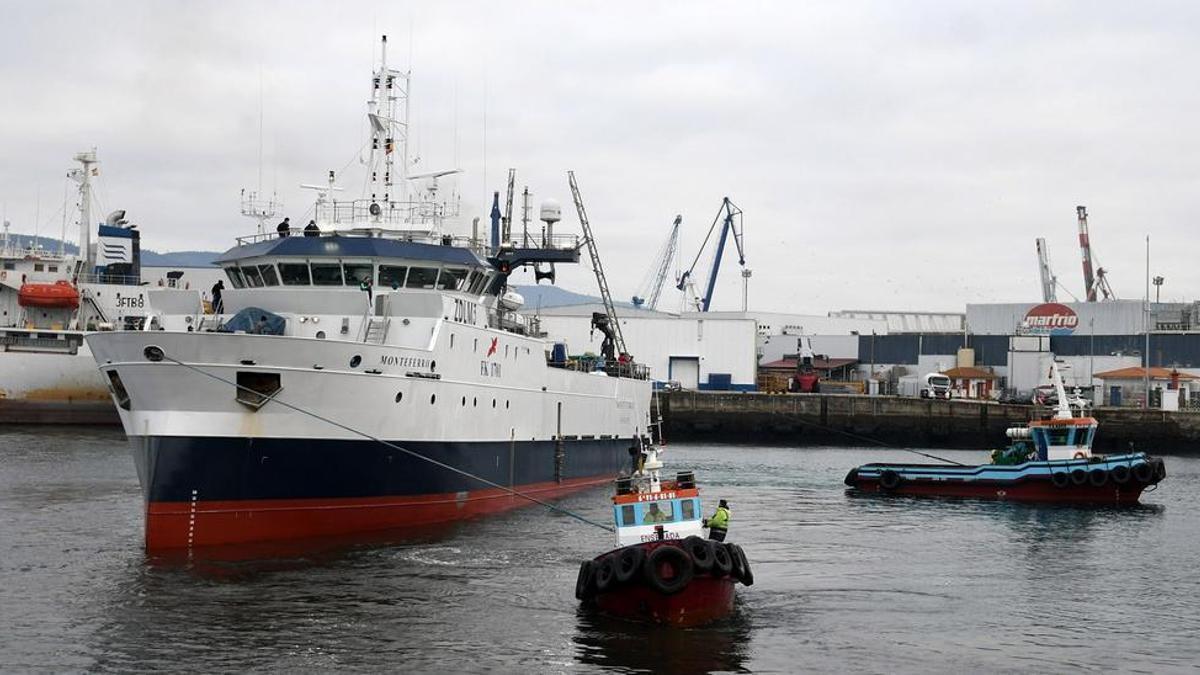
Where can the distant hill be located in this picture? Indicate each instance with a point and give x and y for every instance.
(149, 258)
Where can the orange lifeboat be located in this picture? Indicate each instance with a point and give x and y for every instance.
(60, 294)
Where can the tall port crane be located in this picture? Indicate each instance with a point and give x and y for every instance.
(1093, 282)
(606, 323)
(651, 287)
(730, 218)
(1049, 281)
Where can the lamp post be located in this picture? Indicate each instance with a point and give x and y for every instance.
(1158, 282)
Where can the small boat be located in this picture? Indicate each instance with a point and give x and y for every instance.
(664, 571)
(58, 295)
(1049, 461)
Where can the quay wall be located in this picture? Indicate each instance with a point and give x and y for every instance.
(850, 420)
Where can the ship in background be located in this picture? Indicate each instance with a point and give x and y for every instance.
(50, 299)
(369, 372)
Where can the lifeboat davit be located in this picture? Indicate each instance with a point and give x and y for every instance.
(58, 295)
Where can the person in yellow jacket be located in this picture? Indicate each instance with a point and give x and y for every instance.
(718, 525)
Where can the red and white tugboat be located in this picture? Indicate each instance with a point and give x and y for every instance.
(664, 571)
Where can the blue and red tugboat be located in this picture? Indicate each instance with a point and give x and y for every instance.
(1049, 461)
(664, 571)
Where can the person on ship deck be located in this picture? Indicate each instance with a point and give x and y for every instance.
(718, 525)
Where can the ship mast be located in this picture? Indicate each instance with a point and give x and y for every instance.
(83, 176)
(388, 113)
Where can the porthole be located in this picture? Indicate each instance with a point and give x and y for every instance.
(476, 347)
(493, 403)
(475, 403)
(320, 335)
(399, 396)
(432, 399)
(432, 366)
(355, 361)
(464, 401)
(452, 340)
(506, 405)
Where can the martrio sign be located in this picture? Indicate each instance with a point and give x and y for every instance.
(1050, 318)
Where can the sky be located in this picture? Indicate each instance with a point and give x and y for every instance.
(887, 155)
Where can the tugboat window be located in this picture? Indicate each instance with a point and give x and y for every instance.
(327, 275)
(255, 389)
(294, 274)
(421, 277)
(356, 274)
(235, 277)
(268, 275)
(688, 508)
(253, 278)
(627, 517)
(391, 275)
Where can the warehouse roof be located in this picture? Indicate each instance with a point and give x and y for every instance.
(1139, 373)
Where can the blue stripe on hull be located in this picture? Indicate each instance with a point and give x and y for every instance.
(231, 468)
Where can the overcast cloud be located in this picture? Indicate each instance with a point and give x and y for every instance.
(890, 155)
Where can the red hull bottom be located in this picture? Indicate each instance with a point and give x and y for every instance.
(1043, 492)
(704, 600)
(187, 525)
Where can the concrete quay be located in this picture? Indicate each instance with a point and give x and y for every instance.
(835, 419)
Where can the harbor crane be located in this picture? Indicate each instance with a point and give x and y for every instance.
(606, 323)
(730, 218)
(1049, 281)
(651, 287)
(1094, 283)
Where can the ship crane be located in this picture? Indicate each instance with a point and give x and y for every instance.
(730, 219)
(651, 287)
(607, 323)
(1094, 283)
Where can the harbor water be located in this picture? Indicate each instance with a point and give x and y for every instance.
(844, 583)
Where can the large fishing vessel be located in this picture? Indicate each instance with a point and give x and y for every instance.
(50, 299)
(367, 373)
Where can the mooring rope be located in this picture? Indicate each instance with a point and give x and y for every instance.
(393, 446)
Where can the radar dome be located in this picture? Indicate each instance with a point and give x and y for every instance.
(551, 211)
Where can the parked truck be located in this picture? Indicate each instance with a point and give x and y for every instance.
(935, 385)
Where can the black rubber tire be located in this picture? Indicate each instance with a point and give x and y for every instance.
(701, 552)
(629, 563)
(1160, 470)
(606, 574)
(889, 480)
(722, 561)
(1143, 473)
(1121, 474)
(1079, 476)
(585, 582)
(747, 576)
(737, 570)
(1061, 479)
(678, 559)
(1098, 477)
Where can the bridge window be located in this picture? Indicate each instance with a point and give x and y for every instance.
(294, 274)
(327, 275)
(688, 507)
(391, 276)
(452, 279)
(627, 517)
(253, 278)
(235, 277)
(658, 512)
(421, 277)
(356, 274)
(268, 275)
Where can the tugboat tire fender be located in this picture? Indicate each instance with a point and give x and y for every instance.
(700, 551)
(1121, 474)
(889, 480)
(678, 559)
(747, 576)
(1160, 470)
(1143, 473)
(1079, 476)
(629, 562)
(1061, 479)
(606, 574)
(1098, 477)
(722, 561)
(737, 566)
(584, 583)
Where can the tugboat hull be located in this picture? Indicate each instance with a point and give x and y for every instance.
(1117, 480)
(706, 599)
